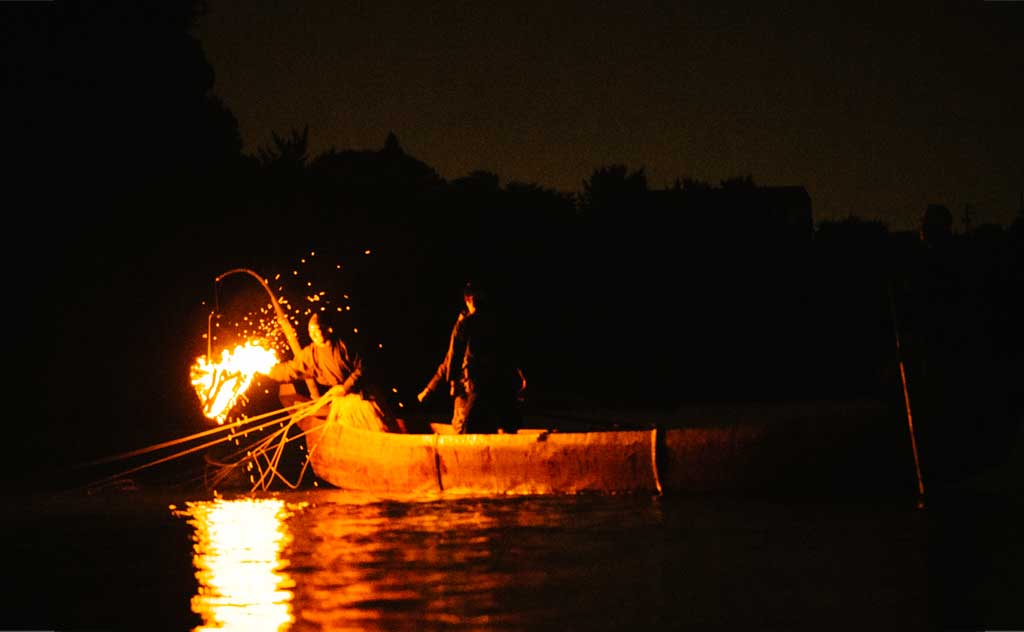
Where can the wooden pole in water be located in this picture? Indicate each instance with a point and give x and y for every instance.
(906, 401)
(282, 320)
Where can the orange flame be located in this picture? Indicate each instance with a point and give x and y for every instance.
(220, 384)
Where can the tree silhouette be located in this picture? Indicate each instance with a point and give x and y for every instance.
(478, 182)
(739, 183)
(612, 187)
(392, 147)
(290, 153)
(692, 186)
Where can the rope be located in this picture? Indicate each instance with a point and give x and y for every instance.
(305, 464)
(261, 449)
(272, 463)
(198, 435)
(250, 447)
(255, 451)
(297, 412)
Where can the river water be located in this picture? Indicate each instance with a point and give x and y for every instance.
(332, 560)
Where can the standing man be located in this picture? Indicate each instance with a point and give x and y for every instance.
(481, 369)
(454, 386)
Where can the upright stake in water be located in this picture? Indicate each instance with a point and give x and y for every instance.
(906, 402)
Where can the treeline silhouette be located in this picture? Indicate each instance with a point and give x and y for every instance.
(626, 294)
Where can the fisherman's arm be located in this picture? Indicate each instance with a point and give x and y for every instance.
(445, 371)
(350, 380)
(435, 381)
(297, 368)
(456, 354)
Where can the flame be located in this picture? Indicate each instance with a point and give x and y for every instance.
(220, 384)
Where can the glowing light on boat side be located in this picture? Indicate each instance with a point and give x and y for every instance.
(220, 384)
(238, 559)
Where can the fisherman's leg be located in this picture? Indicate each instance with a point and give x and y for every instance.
(479, 418)
(459, 406)
(511, 419)
(471, 421)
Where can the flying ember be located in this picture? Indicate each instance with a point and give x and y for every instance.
(220, 384)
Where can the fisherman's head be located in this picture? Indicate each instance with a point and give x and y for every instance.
(321, 328)
(473, 295)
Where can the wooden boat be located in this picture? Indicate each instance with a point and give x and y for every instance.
(797, 452)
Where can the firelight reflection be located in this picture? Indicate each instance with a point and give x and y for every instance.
(311, 560)
(243, 579)
(327, 560)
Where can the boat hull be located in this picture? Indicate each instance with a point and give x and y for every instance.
(735, 457)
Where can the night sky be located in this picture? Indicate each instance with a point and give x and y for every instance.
(877, 109)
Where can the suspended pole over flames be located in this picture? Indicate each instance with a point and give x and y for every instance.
(282, 319)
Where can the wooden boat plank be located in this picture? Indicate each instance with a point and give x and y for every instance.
(352, 458)
(742, 455)
(547, 463)
(709, 459)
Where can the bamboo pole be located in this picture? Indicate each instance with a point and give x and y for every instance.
(906, 400)
(282, 320)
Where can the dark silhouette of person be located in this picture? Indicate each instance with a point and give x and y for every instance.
(455, 388)
(482, 370)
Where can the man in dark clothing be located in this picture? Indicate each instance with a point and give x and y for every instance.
(481, 364)
(455, 387)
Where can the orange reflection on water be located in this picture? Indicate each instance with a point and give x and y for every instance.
(382, 565)
(238, 548)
